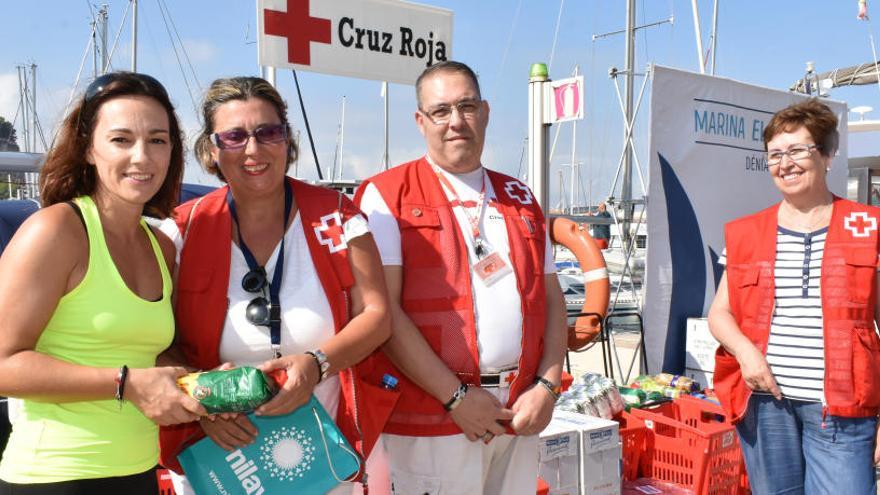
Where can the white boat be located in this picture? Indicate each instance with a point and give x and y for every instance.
(615, 255)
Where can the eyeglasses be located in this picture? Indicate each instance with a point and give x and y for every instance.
(102, 82)
(238, 138)
(259, 310)
(441, 114)
(796, 153)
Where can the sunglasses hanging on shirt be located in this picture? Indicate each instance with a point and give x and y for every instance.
(265, 309)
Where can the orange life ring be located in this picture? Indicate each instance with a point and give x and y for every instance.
(597, 286)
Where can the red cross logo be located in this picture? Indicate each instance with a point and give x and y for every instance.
(505, 378)
(516, 190)
(299, 28)
(330, 232)
(860, 224)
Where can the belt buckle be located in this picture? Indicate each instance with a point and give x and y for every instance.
(505, 378)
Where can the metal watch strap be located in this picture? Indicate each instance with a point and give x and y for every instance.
(457, 397)
(553, 389)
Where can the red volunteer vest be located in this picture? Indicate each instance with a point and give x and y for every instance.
(849, 271)
(437, 293)
(200, 311)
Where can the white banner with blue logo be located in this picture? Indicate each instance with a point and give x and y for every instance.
(707, 167)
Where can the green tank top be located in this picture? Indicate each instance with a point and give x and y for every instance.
(99, 323)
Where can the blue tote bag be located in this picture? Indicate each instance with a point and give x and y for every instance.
(302, 452)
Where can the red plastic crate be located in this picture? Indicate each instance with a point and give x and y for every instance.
(165, 485)
(567, 380)
(632, 440)
(686, 444)
(543, 487)
(744, 488)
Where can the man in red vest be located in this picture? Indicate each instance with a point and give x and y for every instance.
(479, 318)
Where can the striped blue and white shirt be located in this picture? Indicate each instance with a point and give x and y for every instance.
(796, 347)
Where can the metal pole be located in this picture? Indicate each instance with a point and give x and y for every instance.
(95, 48)
(134, 35)
(341, 137)
(104, 59)
(270, 76)
(698, 32)
(574, 164)
(34, 119)
(22, 95)
(538, 135)
(561, 205)
(629, 83)
(385, 151)
(714, 36)
(302, 106)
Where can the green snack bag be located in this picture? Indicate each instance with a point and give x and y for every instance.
(236, 390)
(632, 397)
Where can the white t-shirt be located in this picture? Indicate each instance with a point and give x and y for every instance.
(498, 307)
(306, 318)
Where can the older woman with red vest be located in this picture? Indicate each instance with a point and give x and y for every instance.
(798, 369)
(278, 274)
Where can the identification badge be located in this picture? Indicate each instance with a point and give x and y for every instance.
(491, 268)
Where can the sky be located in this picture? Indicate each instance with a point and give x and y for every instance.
(762, 42)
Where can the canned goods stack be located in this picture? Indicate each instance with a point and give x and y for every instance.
(595, 395)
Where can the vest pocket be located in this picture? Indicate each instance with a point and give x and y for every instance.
(866, 366)
(743, 275)
(861, 267)
(420, 236)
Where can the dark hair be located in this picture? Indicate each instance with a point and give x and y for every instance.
(447, 66)
(238, 88)
(819, 120)
(67, 175)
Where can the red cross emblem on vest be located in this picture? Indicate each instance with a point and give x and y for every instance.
(299, 28)
(330, 232)
(516, 190)
(860, 224)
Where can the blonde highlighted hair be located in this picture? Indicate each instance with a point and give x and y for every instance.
(231, 89)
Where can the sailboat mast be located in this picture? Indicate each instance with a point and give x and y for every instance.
(385, 123)
(34, 107)
(341, 138)
(629, 84)
(134, 35)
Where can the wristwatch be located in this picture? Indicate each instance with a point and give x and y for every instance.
(321, 361)
(554, 390)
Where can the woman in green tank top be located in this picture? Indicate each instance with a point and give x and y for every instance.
(86, 301)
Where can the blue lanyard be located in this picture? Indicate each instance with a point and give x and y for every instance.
(275, 285)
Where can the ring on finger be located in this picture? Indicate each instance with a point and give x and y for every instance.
(488, 436)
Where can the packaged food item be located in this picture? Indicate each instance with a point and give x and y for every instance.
(631, 397)
(617, 404)
(236, 390)
(664, 378)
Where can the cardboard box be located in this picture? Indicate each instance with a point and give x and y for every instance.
(599, 453)
(559, 448)
(700, 346)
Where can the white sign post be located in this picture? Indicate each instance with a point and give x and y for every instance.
(384, 40)
(707, 167)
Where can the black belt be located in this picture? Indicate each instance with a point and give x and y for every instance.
(494, 379)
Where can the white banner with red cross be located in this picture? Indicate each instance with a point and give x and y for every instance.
(385, 40)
